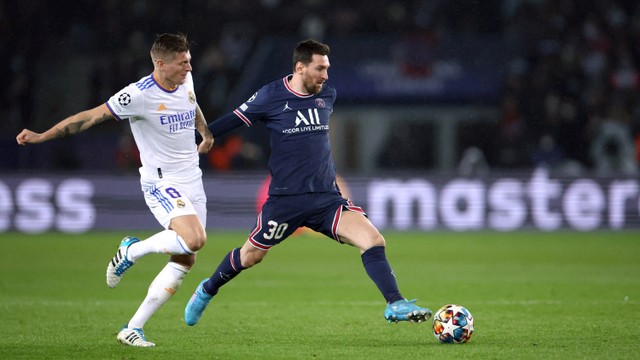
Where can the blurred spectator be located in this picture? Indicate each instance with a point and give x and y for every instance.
(613, 149)
(127, 154)
(512, 146)
(233, 152)
(548, 153)
(473, 163)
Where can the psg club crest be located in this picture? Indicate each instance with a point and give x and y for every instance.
(320, 103)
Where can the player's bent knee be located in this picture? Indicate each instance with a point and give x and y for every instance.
(379, 240)
(199, 242)
(196, 241)
(374, 240)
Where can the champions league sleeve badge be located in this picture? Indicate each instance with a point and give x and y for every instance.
(124, 99)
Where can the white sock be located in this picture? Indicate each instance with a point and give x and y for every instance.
(160, 291)
(164, 242)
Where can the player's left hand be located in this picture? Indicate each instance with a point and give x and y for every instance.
(205, 145)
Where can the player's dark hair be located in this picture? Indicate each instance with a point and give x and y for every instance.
(166, 46)
(306, 49)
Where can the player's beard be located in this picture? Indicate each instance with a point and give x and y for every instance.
(311, 85)
(313, 88)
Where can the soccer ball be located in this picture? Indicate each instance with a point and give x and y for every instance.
(453, 324)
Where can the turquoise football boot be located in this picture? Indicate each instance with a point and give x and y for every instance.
(404, 310)
(196, 305)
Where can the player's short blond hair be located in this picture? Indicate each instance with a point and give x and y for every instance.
(167, 46)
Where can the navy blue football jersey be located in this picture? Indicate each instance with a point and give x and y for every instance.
(298, 124)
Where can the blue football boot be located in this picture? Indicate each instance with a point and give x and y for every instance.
(404, 310)
(196, 305)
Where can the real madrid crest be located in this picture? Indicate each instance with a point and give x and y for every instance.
(180, 203)
(192, 97)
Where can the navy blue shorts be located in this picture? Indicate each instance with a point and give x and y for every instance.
(282, 215)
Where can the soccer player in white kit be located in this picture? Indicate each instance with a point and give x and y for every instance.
(164, 114)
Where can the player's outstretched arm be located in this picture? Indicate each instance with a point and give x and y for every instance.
(225, 124)
(203, 129)
(67, 127)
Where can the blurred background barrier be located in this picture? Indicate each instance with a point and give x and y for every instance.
(501, 201)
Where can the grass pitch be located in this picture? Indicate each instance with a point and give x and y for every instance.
(533, 296)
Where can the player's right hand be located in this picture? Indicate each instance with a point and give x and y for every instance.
(27, 136)
(205, 145)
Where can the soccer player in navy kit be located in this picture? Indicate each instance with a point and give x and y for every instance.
(303, 190)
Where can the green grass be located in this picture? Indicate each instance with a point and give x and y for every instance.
(533, 295)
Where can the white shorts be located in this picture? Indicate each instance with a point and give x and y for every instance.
(169, 198)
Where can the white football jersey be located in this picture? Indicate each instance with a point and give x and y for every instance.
(163, 125)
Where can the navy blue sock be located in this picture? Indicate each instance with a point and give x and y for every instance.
(229, 268)
(378, 268)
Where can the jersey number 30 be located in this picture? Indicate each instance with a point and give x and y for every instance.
(276, 231)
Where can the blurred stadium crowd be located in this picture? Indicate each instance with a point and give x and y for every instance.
(570, 98)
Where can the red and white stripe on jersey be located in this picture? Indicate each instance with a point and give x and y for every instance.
(242, 117)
